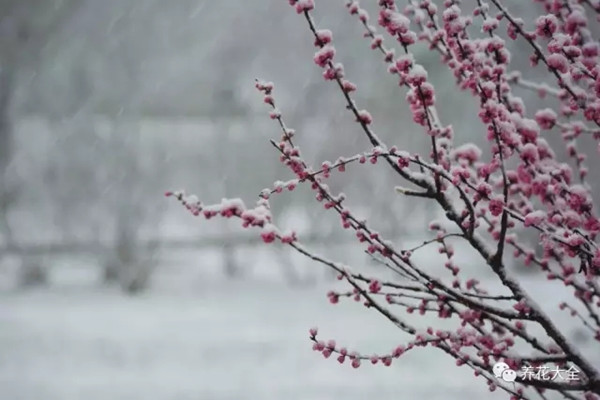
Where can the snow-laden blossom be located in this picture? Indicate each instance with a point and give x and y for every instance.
(522, 196)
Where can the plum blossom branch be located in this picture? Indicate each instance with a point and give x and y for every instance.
(521, 183)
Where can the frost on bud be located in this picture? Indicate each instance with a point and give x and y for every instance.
(468, 152)
(534, 218)
(530, 175)
(417, 75)
(324, 55)
(511, 29)
(404, 63)
(394, 22)
(268, 233)
(363, 15)
(529, 153)
(489, 24)
(558, 62)
(348, 86)
(353, 7)
(376, 42)
(334, 73)
(546, 25)
(304, 6)
(289, 238)
(268, 99)
(265, 87)
(364, 117)
(324, 36)
(546, 118)
(275, 114)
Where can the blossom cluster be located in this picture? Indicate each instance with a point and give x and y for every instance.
(490, 196)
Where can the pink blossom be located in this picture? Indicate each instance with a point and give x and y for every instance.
(353, 7)
(534, 218)
(348, 86)
(483, 191)
(559, 42)
(519, 325)
(374, 286)
(511, 29)
(591, 49)
(596, 259)
(324, 36)
(592, 224)
(496, 206)
(394, 22)
(489, 24)
(403, 162)
(304, 6)
(529, 153)
(426, 95)
(558, 62)
(290, 238)
(376, 42)
(334, 73)
(468, 152)
(363, 15)
(528, 128)
(334, 298)
(546, 118)
(575, 20)
(404, 63)
(518, 174)
(324, 55)
(417, 75)
(546, 25)
(275, 114)
(268, 233)
(364, 117)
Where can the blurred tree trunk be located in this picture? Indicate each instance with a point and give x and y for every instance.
(6, 145)
(111, 272)
(25, 27)
(32, 273)
(226, 98)
(127, 257)
(231, 268)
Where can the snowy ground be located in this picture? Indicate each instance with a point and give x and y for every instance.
(237, 341)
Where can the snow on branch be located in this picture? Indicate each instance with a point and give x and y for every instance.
(489, 196)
